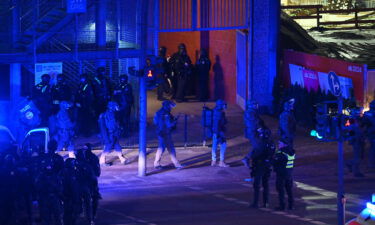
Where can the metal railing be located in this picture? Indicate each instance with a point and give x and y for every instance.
(318, 10)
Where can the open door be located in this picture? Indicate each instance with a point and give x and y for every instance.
(241, 56)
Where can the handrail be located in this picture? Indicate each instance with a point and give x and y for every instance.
(357, 20)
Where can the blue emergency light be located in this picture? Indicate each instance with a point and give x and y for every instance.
(371, 208)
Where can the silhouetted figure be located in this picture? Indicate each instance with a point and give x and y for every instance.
(203, 66)
(218, 79)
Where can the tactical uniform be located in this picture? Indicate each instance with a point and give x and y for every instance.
(369, 122)
(218, 129)
(64, 128)
(42, 98)
(102, 91)
(283, 166)
(161, 72)
(60, 92)
(50, 192)
(287, 123)
(261, 165)
(203, 66)
(357, 141)
(84, 101)
(165, 123)
(110, 132)
(123, 95)
(181, 67)
(252, 122)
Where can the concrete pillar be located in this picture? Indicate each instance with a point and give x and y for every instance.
(264, 55)
(100, 27)
(15, 82)
(16, 26)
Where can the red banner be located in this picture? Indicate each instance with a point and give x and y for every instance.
(354, 71)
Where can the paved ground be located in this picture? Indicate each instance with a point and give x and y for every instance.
(201, 194)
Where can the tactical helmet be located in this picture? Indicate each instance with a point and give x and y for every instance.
(100, 70)
(264, 132)
(168, 104)
(162, 51)
(46, 76)
(113, 106)
(64, 105)
(124, 77)
(288, 105)
(182, 46)
(251, 104)
(221, 104)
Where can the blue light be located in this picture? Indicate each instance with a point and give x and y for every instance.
(314, 133)
(371, 208)
(318, 136)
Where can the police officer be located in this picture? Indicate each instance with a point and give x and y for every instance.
(60, 92)
(369, 122)
(161, 71)
(110, 133)
(287, 122)
(102, 90)
(252, 122)
(165, 123)
(181, 68)
(84, 101)
(203, 66)
(8, 188)
(56, 159)
(218, 129)
(93, 161)
(64, 127)
(261, 165)
(123, 95)
(357, 141)
(49, 193)
(71, 191)
(283, 163)
(42, 98)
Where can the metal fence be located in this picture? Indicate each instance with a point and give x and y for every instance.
(360, 3)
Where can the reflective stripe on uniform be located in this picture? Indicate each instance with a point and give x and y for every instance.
(290, 162)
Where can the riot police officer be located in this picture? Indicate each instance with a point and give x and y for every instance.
(261, 165)
(369, 122)
(287, 122)
(110, 133)
(283, 164)
(60, 92)
(63, 128)
(102, 90)
(165, 123)
(123, 95)
(218, 129)
(203, 66)
(71, 191)
(161, 71)
(357, 141)
(84, 101)
(181, 68)
(49, 192)
(252, 122)
(42, 98)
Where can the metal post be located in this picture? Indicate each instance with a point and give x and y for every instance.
(194, 7)
(16, 23)
(118, 15)
(156, 26)
(250, 22)
(76, 36)
(100, 27)
(185, 131)
(340, 192)
(142, 127)
(142, 41)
